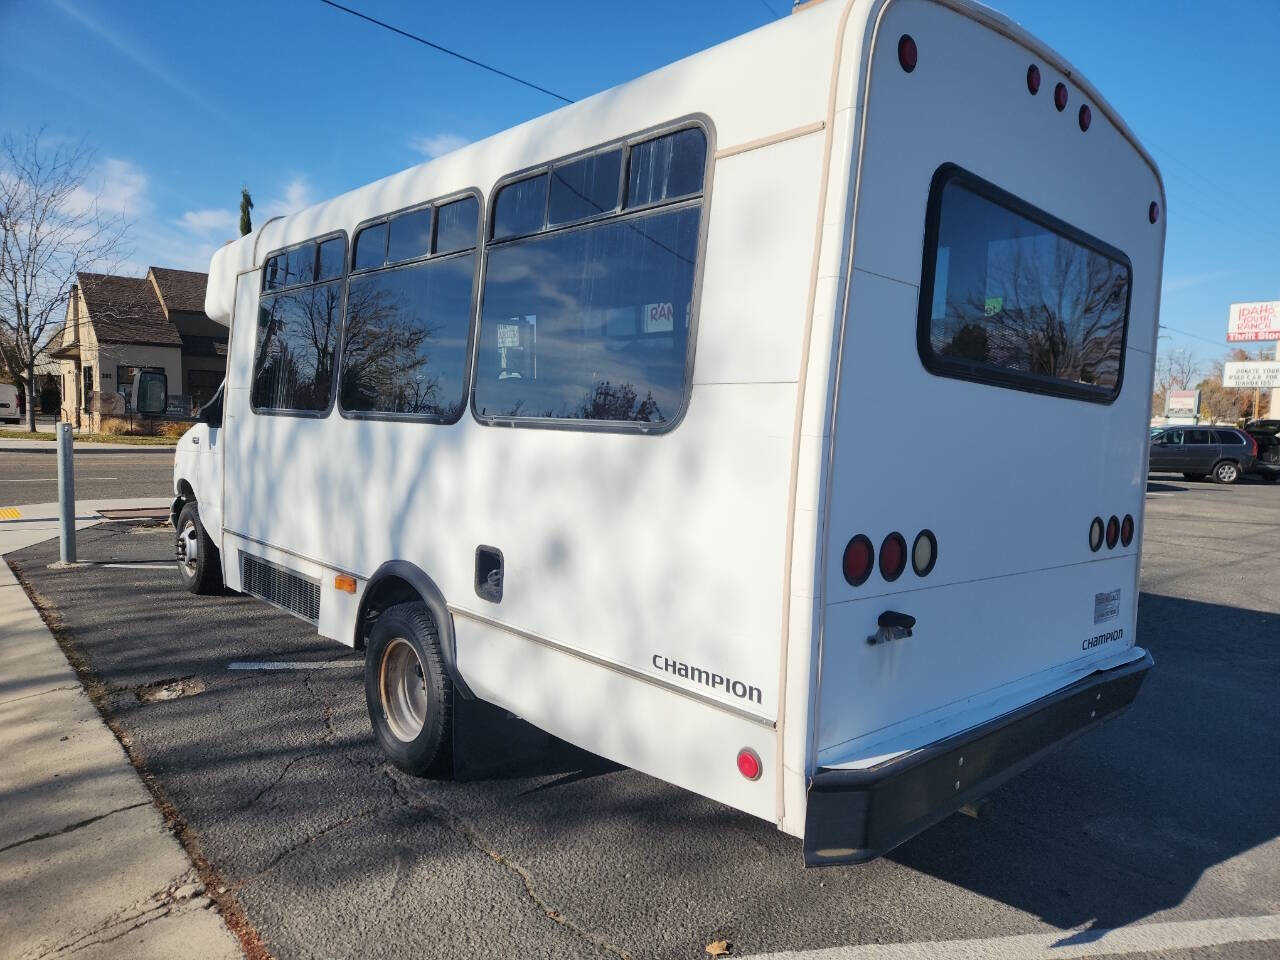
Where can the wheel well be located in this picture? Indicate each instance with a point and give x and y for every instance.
(387, 592)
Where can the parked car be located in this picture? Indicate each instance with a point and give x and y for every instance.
(1266, 433)
(10, 404)
(1197, 452)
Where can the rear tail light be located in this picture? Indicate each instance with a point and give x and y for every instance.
(1033, 79)
(893, 556)
(1126, 530)
(924, 553)
(907, 52)
(749, 764)
(1253, 444)
(1095, 534)
(859, 560)
(1060, 97)
(1113, 531)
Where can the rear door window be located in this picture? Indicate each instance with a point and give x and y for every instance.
(1199, 438)
(1229, 436)
(1014, 297)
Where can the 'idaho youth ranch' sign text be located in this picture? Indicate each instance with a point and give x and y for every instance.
(1254, 321)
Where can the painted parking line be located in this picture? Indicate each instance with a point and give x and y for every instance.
(152, 565)
(296, 665)
(52, 479)
(1137, 939)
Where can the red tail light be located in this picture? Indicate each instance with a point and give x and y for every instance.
(1126, 530)
(859, 560)
(749, 764)
(893, 556)
(1253, 444)
(1113, 531)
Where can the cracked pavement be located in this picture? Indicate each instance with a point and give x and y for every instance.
(1167, 813)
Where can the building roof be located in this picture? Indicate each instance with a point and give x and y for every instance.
(126, 310)
(180, 289)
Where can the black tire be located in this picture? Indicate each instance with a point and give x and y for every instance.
(1226, 471)
(404, 645)
(203, 575)
(1195, 476)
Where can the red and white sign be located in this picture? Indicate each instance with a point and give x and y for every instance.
(1254, 321)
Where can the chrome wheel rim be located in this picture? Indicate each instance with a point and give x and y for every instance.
(403, 687)
(188, 549)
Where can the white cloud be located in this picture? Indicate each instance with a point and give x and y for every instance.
(115, 187)
(297, 196)
(437, 144)
(207, 221)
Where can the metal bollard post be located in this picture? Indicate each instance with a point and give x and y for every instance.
(66, 496)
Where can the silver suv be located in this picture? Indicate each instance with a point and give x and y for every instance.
(1197, 452)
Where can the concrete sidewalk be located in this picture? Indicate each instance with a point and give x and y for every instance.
(87, 865)
(85, 446)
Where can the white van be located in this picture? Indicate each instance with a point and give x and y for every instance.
(10, 404)
(653, 421)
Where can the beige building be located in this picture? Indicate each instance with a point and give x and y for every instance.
(116, 326)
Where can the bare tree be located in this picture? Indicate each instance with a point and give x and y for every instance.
(51, 228)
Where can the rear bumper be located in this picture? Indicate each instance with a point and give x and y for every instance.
(858, 815)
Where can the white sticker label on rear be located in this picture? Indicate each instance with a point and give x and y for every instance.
(1106, 606)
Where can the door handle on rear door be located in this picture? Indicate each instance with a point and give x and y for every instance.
(893, 626)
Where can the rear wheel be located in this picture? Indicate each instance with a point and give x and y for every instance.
(198, 559)
(1194, 476)
(1228, 471)
(408, 692)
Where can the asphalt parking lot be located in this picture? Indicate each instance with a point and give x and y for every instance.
(31, 476)
(1168, 814)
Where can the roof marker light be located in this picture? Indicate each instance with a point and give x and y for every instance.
(1153, 212)
(1095, 534)
(1086, 116)
(924, 553)
(907, 52)
(1060, 97)
(1033, 79)
(1126, 530)
(893, 556)
(749, 764)
(1113, 531)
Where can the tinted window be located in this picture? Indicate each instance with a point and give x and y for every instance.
(410, 236)
(371, 247)
(666, 168)
(1228, 436)
(1173, 436)
(405, 346)
(1008, 299)
(297, 334)
(590, 324)
(301, 264)
(521, 207)
(1198, 437)
(273, 273)
(457, 224)
(332, 252)
(585, 188)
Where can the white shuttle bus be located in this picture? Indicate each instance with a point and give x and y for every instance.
(774, 424)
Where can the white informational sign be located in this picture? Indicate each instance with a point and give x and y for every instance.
(659, 318)
(1251, 374)
(1182, 403)
(1248, 322)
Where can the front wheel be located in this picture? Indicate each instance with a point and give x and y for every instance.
(408, 692)
(1228, 471)
(198, 559)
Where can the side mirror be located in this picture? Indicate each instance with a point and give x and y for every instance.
(151, 393)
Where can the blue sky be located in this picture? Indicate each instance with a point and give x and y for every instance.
(186, 101)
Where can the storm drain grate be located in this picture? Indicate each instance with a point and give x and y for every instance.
(285, 589)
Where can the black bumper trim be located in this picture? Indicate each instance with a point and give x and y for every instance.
(857, 815)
